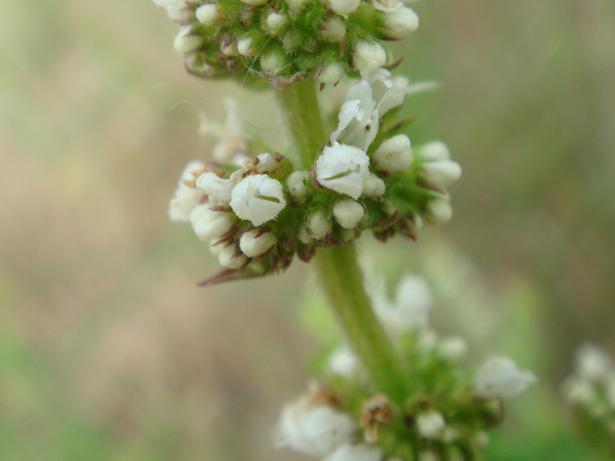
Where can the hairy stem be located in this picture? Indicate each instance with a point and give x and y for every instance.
(337, 268)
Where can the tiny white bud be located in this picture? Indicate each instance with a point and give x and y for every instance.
(369, 57)
(255, 2)
(208, 14)
(440, 211)
(230, 258)
(245, 47)
(276, 21)
(186, 41)
(401, 23)
(442, 173)
(319, 225)
(179, 13)
(209, 224)
(331, 74)
(453, 348)
(579, 391)
(253, 245)
(435, 150)
(430, 424)
(348, 213)
(258, 199)
(344, 6)
(394, 154)
(373, 186)
(499, 377)
(344, 363)
(333, 29)
(266, 163)
(592, 363)
(272, 62)
(343, 169)
(296, 6)
(304, 236)
(217, 189)
(296, 184)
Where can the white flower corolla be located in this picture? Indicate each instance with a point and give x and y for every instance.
(344, 6)
(296, 184)
(401, 23)
(333, 29)
(358, 118)
(409, 310)
(453, 348)
(230, 258)
(272, 62)
(319, 225)
(592, 363)
(218, 190)
(369, 57)
(312, 428)
(388, 6)
(245, 47)
(208, 14)
(232, 144)
(210, 224)
(434, 150)
(344, 363)
(256, 243)
(267, 163)
(343, 168)
(276, 21)
(258, 199)
(373, 186)
(296, 6)
(388, 92)
(186, 41)
(331, 74)
(358, 452)
(500, 377)
(430, 424)
(394, 154)
(186, 195)
(440, 210)
(348, 213)
(442, 173)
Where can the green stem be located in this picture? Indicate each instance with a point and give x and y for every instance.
(337, 268)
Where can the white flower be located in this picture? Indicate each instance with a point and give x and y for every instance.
(208, 14)
(230, 258)
(231, 145)
(411, 307)
(331, 74)
(186, 41)
(296, 184)
(344, 6)
(272, 62)
(373, 186)
(434, 150)
(245, 47)
(394, 154)
(348, 213)
(255, 243)
(312, 428)
(276, 21)
(258, 199)
(333, 29)
(440, 210)
(186, 195)
(344, 363)
(388, 92)
(401, 23)
(319, 225)
(579, 391)
(442, 173)
(369, 57)
(453, 348)
(388, 6)
(209, 224)
(267, 163)
(217, 189)
(499, 377)
(592, 363)
(430, 424)
(296, 6)
(358, 118)
(343, 168)
(359, 452)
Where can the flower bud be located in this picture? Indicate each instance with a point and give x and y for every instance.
(208, 14)
(331, 74)
(344, 6)
(440, 211)
(296, 6)
(304, 236)
(369, 57)
(272, 62)
(296, 184)
(435, 150)
(186, 41)
(442, 173)
(258, 199)
(209, 224)
(253, 245)
(499, 377)
(430, 424)
(276, 21)
(401, 23)
(267, 163)
(230, 259)
(395, 154)
(348, 213)
(333, 29)
(343, 169)
(217, 189)
(245, 47)
(319, 225)
(373, 186)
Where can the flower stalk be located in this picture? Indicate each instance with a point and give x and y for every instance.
(337, 268)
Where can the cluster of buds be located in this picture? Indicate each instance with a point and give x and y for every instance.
(590, 392)
(286, 40)
(257, 212)
(445, 414)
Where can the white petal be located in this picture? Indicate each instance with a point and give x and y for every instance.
(343, 168)
(500, 377)
(258, 199)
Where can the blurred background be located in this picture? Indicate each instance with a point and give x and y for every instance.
(108, 350)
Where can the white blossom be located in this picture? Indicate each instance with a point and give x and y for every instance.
(272, 62)
(592, 363)
(500, 377)
(388, 6)
(331, 74)
(435, 150)
(245, 47)
(430, 424)
(276, 21)
(208, 14)
(344, 363)
(394, 154)
(296, 5)
(358, 452)
(343, 168)
(255, 243)
(369, 57)
(230, 258)
(314, 429)
(186, 41)
(358, 118)
(440, 210)
(333, 29)
(258, 199)
(388, 92)
(296, 184)
(186, 195)
(348, 213)
(373, 186)
(579, 391)
(319, 225)
(401, 23)
(232, 145)
(344, 6)
(442, 173)
(210, 224)
(217, 189)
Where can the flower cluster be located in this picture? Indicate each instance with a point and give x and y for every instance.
(286, 40)
(590, 391)
(443, 416)
(258, 212)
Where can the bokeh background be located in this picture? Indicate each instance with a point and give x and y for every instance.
(107, 349)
